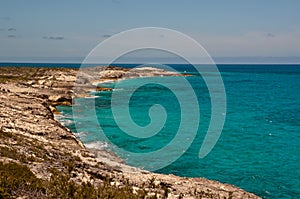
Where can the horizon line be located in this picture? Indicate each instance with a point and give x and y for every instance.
(220, 63)
(155, 60)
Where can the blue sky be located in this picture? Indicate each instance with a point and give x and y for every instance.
(69, 30)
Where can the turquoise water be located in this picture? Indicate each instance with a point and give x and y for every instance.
(258, 150)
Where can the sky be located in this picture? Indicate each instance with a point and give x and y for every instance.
(54, 31)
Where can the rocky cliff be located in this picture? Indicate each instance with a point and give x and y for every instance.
(54, 163)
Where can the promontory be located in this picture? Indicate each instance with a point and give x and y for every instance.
(40, 158)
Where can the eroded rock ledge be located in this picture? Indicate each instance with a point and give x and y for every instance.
(30, 135)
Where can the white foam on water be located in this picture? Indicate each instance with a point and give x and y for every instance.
(66, 122)
(81, 134)
(97, 145)
(63, 119)
(92, 96)
(118, 89)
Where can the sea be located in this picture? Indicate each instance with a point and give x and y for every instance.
(258, 148)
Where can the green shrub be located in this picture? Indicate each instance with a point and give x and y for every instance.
(18, 180)
(13, 154)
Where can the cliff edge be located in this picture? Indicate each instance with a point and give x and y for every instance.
(40, 158)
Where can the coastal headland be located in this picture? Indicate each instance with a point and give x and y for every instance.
(40, 158)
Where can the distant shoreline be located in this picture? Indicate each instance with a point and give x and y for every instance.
(78, 64)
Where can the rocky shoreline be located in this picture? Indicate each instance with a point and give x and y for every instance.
(31, 136)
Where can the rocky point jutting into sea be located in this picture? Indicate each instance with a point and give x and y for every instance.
(57, 164)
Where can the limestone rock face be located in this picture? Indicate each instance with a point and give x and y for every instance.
(60, 100)
(31, 136)
(112, 74)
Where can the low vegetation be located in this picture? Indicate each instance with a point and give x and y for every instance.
(17, 180)
(21, 74)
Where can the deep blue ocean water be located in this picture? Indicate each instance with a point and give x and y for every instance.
(258, 150)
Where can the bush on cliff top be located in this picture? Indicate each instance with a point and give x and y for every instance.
(18, 180)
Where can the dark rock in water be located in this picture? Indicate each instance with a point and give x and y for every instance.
(56, 100)
(103, 89)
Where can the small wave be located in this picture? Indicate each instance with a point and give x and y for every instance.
(66, 122)
(92, 96)
(59, 117)
(81, 134)
(101, 82)
(97, 145)
(118, 89)
(63, 119)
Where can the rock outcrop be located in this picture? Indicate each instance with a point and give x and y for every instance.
(30, 135)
